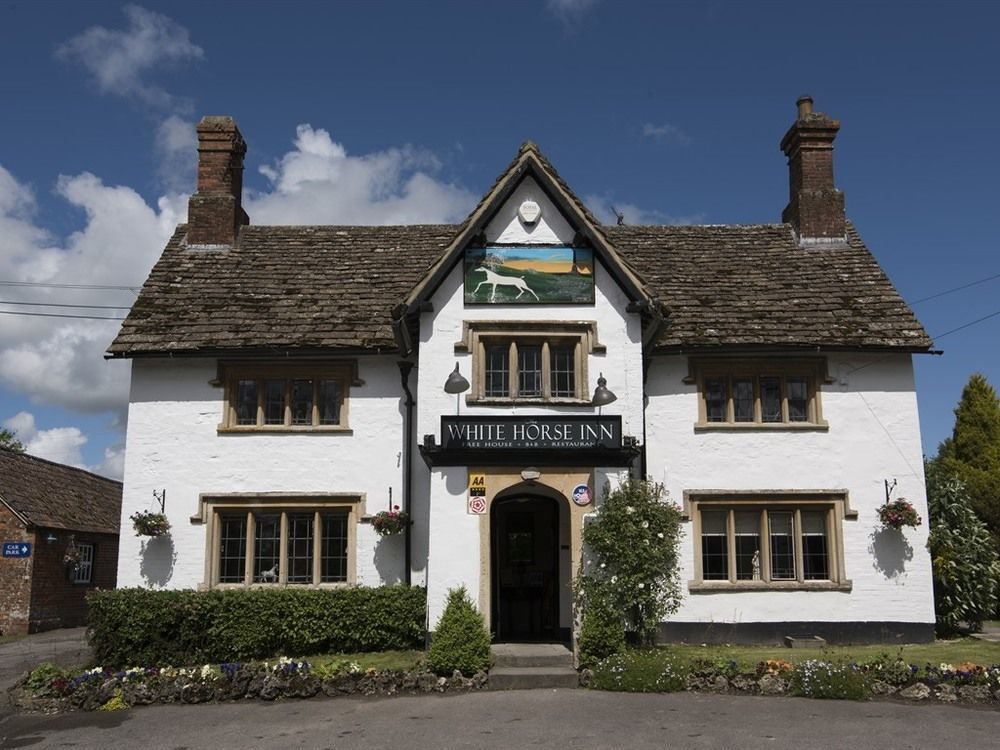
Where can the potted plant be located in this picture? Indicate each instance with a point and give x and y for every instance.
(148, 523)
(390, 522)
(896, 514)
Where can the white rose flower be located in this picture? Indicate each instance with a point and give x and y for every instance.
(645, 524)
(660, 535)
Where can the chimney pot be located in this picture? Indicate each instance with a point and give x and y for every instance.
(215, 211)
(805, 105)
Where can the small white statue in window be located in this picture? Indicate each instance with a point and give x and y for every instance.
(269, 576)
(755, 563)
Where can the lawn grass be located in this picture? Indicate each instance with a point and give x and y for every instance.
(953, 651)
(397, 661)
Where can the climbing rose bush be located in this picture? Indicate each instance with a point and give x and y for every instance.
(630, 560)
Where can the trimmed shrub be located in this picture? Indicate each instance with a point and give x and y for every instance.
(142, 626)
(461, 641)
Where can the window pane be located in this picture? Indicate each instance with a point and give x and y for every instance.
(815, 561)
(562, 366)
(747, 546)
(274, 402)
(333, 549)
(497, 371)
(302, 402)
(782, 546)
(743, 399)
(529, 370)
(300, 547)
(267, 547)
(329, 402)
(246, 402)
(798, 399)
(715, 400)
(85, 565)
(770, 398)
(714, 547)
(232, 548)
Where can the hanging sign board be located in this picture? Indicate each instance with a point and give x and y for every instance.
(17, 549)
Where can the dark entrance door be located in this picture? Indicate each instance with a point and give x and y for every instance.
(525, 563)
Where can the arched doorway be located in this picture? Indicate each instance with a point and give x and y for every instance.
(524, 550)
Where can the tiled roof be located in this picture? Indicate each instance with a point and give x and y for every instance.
(283, 287)
(52, 495)
(754, 285)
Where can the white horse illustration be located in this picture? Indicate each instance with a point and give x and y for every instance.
(495, 280)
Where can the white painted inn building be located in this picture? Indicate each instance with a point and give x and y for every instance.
(288, 382)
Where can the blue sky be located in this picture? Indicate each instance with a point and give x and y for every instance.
(404, 112)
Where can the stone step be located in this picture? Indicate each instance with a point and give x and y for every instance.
(527, 678)
(507, 655)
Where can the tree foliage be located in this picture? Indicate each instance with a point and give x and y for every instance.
(966, 566)
(9, 441)
(631, 562)
(972, 453)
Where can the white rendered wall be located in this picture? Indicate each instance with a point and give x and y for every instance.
(174, 444)
(507, 228)
(451, 544)
(874, 434)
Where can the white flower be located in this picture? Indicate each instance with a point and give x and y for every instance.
(604, 565)
(660, 535)
(645, 524)
(614, 579)
(629, 509)
(642, 586)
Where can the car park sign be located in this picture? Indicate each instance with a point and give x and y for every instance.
(17, 549)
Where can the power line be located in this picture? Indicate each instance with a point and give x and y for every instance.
(966, 325)
(56, 315)
(57, 304)
(69, 286)
(956, 289)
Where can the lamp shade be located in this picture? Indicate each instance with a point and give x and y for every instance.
(455, 382)
(602, 395)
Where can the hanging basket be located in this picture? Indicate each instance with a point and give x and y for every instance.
(148, 523)
(390, 522)
(896, 514)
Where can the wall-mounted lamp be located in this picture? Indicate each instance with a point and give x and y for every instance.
(602, 394)
(456, 384)
(51, 537)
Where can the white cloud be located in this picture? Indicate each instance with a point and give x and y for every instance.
(666, 133)
(570, 12)
(318, 182)
(176, 144)
(119, 60)
(601, 207)
(60, 444)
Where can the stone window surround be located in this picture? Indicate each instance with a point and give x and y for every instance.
(345, 372)
(210, 507)
(581, 334)
(813, 368)
(835, 502)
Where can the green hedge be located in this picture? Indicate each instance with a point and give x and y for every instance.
(140, 627)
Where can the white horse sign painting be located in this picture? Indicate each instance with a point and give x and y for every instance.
(525, 275)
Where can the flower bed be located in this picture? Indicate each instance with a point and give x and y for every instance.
(49, 689)
(660, 671)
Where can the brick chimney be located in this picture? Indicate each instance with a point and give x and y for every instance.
(215, 211)
(815, 207)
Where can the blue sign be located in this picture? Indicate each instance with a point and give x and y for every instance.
(17, 549)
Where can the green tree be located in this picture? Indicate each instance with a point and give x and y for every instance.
(9, 441)
(972, 453)
(966, 566)
(631, 564)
